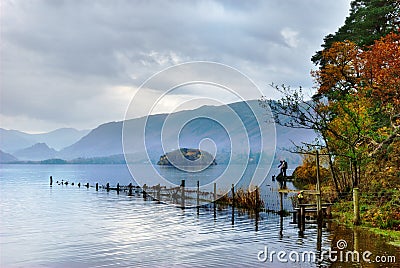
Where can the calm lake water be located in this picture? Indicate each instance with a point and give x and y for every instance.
(67, 226)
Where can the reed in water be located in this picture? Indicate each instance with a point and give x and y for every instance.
(245, 199)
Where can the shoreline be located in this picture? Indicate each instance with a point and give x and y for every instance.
(392, 237)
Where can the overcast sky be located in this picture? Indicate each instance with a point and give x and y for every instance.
(79, 63)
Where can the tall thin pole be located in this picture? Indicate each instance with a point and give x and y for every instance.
(319, 208)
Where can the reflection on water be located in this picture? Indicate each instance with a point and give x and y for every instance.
(63, 226)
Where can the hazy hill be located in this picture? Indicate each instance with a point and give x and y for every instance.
(6, 157)
(105, 140)
(14, 140)
(184, 129)
(60, 138)
(38, 151)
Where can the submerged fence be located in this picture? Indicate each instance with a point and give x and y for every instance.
(182, 196)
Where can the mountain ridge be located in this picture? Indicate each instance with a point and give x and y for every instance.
(12, 140)
(106, 139)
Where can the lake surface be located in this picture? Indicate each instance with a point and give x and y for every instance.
(67, 226)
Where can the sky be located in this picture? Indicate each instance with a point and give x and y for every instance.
(77, 63)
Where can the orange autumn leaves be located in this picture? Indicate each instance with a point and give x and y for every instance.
(360, 89)
(373, 71)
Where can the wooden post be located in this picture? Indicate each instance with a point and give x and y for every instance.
(130, 189)
(97, 186)
(117, 187)
(79, 184)
(233, 205)
(356, 235)
(198, 194)
(144, 191)
(319, 238)
(257, 208)
(108, 186)
(299, 217)
(356, 219)
(233, 195)
(51, 180)
(215, 200)
(257, 201)
(215, 192)
(87, 185)
(158, 192)
(319, 207)
(303, 219)
(183, 194)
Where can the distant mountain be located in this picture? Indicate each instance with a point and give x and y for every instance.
(14, 140)
(38, 151)
(185, 129)
(105, 140)
(61, 138)
(6, 157)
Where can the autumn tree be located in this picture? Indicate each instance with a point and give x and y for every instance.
(368, 21)
(355, 111)
(362, 89)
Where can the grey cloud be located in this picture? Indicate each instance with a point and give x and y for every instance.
(57, 57)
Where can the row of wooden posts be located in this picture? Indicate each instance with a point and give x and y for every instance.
(179, 194)
(299, 213)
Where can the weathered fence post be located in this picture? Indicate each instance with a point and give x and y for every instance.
(198, 194)
(319, 207)
(144, 191)
(158, 192)
(183, 194)
(117, 187)
(215, 192)
(356, 219)
(299, 217)
(233, 204)
(97, 186)
(79, 184)
(233, 195)
(257, 201)
(130, 189)
(87, 185)
(303, 219)
(215, 200)
(51, 180)
(108, 186)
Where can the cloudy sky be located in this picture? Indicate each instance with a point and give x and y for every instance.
(79, 63)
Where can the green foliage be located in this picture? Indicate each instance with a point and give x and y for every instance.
(368, 21)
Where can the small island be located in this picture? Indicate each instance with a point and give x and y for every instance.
(195, 157)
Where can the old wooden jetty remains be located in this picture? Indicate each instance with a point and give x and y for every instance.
(302, 211)
(181, 195)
